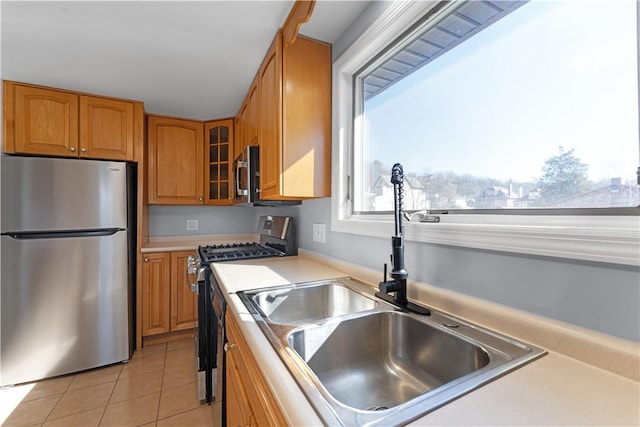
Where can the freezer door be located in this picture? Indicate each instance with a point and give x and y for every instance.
(49, 194)
(63, 305)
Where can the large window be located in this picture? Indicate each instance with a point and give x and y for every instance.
(496, 106)
(517, 119)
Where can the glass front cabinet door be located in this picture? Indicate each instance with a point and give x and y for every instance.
(218, 137)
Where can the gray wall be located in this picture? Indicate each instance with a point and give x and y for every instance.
(598, 296)
(171, 220)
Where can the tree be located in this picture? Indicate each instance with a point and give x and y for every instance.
(563, 176)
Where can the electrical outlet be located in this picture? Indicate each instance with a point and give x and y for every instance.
(192, 224)
(320, 233)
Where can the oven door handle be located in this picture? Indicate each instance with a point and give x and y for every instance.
(192, 268)
(189, 283)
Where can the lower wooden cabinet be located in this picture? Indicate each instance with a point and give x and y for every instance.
(184, 305)
(249, 398)
(168, 305)
(156, 274)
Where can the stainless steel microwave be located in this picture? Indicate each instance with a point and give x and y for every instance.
(247, 180)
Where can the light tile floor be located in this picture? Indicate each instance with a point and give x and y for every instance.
(156, 388)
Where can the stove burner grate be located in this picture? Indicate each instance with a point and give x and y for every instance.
(233, 251)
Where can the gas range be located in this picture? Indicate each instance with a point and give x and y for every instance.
(277, 238)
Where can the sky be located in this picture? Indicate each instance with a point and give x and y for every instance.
(461, 113)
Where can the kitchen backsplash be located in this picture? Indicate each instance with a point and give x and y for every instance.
(172, 220)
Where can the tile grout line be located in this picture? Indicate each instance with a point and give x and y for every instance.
(57, 401)
(164, 366)
(168, 387)
(112, 391)
(52, 408)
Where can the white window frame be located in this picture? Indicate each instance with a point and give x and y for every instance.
(601, 238)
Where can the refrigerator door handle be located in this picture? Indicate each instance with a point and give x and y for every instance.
(34, 235)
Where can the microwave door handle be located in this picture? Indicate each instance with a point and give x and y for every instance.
(238, 178)
(240, 191)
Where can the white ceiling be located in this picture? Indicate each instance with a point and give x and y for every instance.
(185, 59)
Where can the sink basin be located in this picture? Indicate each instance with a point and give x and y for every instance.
(362, 361)
(382, 360)
(322, 300)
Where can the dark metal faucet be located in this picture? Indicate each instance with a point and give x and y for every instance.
(398, 283)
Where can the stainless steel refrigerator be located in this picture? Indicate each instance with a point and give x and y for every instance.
(65, 272)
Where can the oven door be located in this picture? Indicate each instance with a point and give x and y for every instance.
(219, 305)
(206, 339)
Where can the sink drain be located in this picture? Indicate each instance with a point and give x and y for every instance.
(377, 408)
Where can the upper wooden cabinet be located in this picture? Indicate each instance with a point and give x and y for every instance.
(247, 121)
(190, 162)
(53, 122)
(218, 136)
(270, 120)
(251, 136)
(294, 99)
(106, 128)
(46, 121)
(175, 161)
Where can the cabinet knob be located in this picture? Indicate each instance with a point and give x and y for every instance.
(201, 199)
(146, 260)
(72, 149)
(228, 347)
(84, 150)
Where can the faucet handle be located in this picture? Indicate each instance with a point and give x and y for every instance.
(384, 277)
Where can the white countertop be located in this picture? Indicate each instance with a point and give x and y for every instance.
(191, 243)
(259, 273)
(553, 390)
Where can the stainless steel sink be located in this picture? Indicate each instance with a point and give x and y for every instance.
(366, 363)
(293, 305)
(386, 359)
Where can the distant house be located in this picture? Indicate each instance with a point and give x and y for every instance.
(497, 197)
(414, 195)
(616, 194)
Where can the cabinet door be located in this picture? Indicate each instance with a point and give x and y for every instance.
(252, 117)
(184, 305)
(46, 122)
(270, 119)
(155, 293)
(259, 404)
(246, 130)
(238, 409)
(306, 119)
(239, 130)
(106, 128)
(219, 173)
(175, 156)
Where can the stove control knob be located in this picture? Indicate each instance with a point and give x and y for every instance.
(192, 264)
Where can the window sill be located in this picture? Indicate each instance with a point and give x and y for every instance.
(602, 239)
